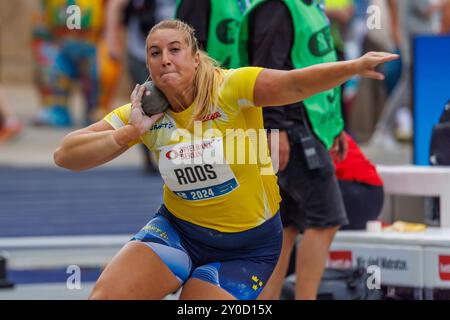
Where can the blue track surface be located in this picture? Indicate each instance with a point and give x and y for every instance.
(47, 202)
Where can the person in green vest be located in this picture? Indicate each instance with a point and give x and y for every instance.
(294, 34)
(216, 23)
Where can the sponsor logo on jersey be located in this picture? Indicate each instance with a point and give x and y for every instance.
(164, 125)
(213, 116)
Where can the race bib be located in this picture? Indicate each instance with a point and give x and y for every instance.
(197, 170)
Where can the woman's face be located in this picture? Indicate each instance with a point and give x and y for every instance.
(170, 60)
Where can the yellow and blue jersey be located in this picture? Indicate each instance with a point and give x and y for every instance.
(233, 195)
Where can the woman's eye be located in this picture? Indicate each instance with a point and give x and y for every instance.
(154, 54)
(174, 49)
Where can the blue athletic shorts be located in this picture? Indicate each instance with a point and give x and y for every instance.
(238, 262)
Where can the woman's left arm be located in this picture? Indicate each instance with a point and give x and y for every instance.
(278, 87)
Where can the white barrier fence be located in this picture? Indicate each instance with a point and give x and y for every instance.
(419, 181)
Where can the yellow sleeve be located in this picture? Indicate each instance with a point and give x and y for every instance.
(119, 118)
(239, 85)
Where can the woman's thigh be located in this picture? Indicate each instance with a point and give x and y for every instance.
(136, 272)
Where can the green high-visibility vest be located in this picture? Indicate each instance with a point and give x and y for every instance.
(312, 45)
(224, 23)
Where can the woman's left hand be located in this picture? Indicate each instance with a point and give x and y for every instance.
(365, 65)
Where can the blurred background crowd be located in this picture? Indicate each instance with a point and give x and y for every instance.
(107, 56)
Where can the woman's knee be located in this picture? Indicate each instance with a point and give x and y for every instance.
(99, 293)
(105, 290)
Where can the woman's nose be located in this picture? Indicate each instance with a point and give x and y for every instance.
(165, 58)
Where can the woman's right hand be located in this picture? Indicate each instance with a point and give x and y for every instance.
(138, 118)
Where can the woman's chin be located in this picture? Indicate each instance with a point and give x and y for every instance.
(167, 81)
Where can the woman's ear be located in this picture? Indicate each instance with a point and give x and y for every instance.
(197, 60)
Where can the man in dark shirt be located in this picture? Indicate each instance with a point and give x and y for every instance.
(197, 14)
(312, 203)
